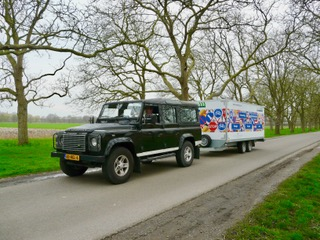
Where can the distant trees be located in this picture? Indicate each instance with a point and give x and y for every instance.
(289, 92)
(50, 118)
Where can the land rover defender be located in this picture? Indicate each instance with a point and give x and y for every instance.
(127, 133)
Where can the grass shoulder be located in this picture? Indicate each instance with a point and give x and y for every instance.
(291, 212)
(27, 159)
(286, 131)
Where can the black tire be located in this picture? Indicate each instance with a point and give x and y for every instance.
(72, 170)
(242, 147)
(205, 141)
(185, 155)
(249, 146)
(118, 167)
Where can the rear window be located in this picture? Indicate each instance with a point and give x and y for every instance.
(188, 115)
(169, 114)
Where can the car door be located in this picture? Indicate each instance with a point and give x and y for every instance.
(170, 137)
(151, 131)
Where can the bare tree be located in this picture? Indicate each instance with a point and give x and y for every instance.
(230, 54)
(120, 73)
(306, 94)
(191, 49)
(307, 48)
(280, 76)
(172, 31)
(30, 27)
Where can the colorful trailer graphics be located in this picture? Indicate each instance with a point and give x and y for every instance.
(227, 123)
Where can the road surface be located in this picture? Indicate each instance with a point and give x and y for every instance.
(59, 207)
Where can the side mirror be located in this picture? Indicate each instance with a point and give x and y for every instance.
(91, 119)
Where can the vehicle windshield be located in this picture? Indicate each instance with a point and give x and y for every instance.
(121, 110)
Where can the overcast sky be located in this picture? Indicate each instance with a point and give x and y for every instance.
(58, 107)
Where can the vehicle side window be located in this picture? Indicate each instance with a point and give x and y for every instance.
(188, 115)
(169, 115)
(151, 111)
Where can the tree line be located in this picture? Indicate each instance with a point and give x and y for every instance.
(184, 49)
(50, 118)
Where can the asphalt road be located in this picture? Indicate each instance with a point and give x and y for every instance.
(87, 207)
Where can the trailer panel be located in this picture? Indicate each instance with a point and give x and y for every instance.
(227, 123)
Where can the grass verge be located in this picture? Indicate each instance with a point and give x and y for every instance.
(291, 212)
(286, 131)
(27, 159)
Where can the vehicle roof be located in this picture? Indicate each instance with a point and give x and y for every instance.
(161, 101)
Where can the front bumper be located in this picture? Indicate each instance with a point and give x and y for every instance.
(83, 158)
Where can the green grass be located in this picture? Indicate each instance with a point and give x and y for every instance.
(28, 159)
(292, 212)
(286, 131)
(41, 125)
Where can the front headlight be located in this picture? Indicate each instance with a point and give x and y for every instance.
(58, 141)
(95, 143)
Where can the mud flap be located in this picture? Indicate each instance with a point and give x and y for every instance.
(196, 152)
(137, 168)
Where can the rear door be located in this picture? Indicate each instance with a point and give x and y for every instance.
(171, 135)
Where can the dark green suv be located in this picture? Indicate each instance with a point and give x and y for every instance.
(128, 133)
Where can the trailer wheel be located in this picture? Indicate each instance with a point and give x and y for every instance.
(242, 147)
(249, 146)
(205, 141)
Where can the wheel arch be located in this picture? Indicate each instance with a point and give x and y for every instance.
(127, 143)
(186, 137)
(189, 137)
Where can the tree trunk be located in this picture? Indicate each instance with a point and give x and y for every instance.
(23, 123)
(278, 124)
(184, 80)
(291, 126)
(303, 121)
(277, 128)
(22, 103)
(271, 123)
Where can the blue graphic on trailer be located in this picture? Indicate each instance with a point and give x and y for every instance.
(242, 115)
(248, 126)
(218, 113)
(209, 117)
(253, 115)
(259, 126)
(222, 126)
(235, 126)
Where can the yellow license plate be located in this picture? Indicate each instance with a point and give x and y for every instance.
(72, 157)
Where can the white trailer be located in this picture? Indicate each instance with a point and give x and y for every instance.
(226, 123)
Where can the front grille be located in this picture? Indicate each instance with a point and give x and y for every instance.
(74, 142)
